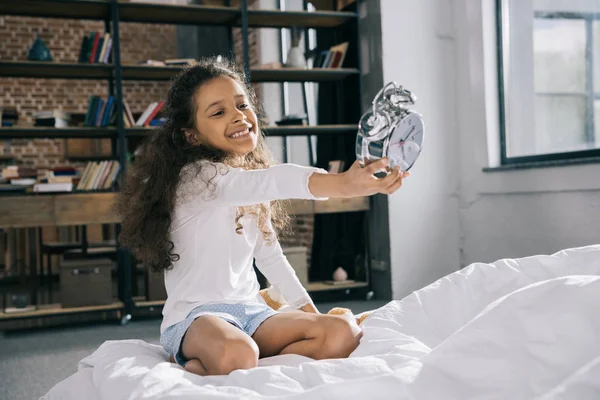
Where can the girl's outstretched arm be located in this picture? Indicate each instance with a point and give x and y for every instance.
(222, 185)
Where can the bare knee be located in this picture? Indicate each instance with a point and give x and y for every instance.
(341, 338)
(235, 354)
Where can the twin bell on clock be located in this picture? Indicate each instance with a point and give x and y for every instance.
(390, 129)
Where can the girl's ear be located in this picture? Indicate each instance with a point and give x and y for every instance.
(191, 135)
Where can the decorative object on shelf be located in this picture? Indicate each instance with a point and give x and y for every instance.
(295, 56)
(390, 129)
(39, 51)
(340, 275)
(18, 302)
(293, 119)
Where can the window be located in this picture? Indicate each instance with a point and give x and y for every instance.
(549, 79)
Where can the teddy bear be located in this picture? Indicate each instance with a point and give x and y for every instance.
(272, 297)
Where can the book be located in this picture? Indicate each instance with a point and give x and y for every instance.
(53, 187)
(106, 59)
(94, 48)
(180, 61)
(154, 112)
(142, 119)
(129, 114)
(85, 44)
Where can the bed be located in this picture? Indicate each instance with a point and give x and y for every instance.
(524, 328)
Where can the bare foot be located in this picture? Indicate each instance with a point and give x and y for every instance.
(195, 367)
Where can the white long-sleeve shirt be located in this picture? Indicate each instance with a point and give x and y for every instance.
(215, 263)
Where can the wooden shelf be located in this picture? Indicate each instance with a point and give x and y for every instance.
(331, 206)
(57, 210)
(146, 303)
(78, 9)
(283, 19)
(56, 133)
(148, 73)
(21, 211)
(180, 15)
(91, 158)
(301, 75)
(291, 130)
(56, 309)
(302, 130)
(54, 70)
(322, 286)
(174, 14)
(144, 73)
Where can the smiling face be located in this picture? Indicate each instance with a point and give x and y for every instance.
(224, 119)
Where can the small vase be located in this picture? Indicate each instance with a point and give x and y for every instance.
(295, 58)
(340, 274)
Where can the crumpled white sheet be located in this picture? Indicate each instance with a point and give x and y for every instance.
(516, 329)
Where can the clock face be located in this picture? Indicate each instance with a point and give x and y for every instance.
(406, 141)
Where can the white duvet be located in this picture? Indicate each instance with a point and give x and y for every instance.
(515, 329)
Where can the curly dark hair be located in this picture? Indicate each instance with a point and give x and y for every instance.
(148, 192)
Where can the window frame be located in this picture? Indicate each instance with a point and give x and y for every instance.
(504, 47)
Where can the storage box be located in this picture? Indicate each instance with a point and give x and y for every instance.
(155, 284)
(297, 256)
(86, 282)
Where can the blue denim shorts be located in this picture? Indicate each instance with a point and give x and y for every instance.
(246, 317)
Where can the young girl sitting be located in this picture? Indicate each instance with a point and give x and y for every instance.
(201, 203)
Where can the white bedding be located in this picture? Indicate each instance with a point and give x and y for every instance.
(515, 329)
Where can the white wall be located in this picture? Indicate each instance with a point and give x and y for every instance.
(450, 213)
(419, 53)
(510, 213)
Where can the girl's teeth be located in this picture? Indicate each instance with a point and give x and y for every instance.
(236, 135)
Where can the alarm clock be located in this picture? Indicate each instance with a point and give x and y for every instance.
(390, 129)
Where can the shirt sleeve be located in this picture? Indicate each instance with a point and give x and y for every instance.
(220, 184)
(274, 265)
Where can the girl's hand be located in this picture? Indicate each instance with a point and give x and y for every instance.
(359, 181)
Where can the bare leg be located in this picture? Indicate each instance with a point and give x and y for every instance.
(215, 347)
(312, 335)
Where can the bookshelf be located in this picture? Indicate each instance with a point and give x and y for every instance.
(29, 211)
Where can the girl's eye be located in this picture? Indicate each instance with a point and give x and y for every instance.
(244, 105)
(218, 113)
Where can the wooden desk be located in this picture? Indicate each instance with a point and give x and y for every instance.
(29, 211)
(57, 210)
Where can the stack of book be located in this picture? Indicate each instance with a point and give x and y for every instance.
(55, 118)
(173, 62)
(15, 172)
(57, 179)
(96, 48)
(9, 116)
(100, 112)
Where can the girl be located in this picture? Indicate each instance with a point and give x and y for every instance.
(201, 204)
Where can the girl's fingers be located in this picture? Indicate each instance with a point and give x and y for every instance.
(394, 186)
(377, 166)
(390, 178)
